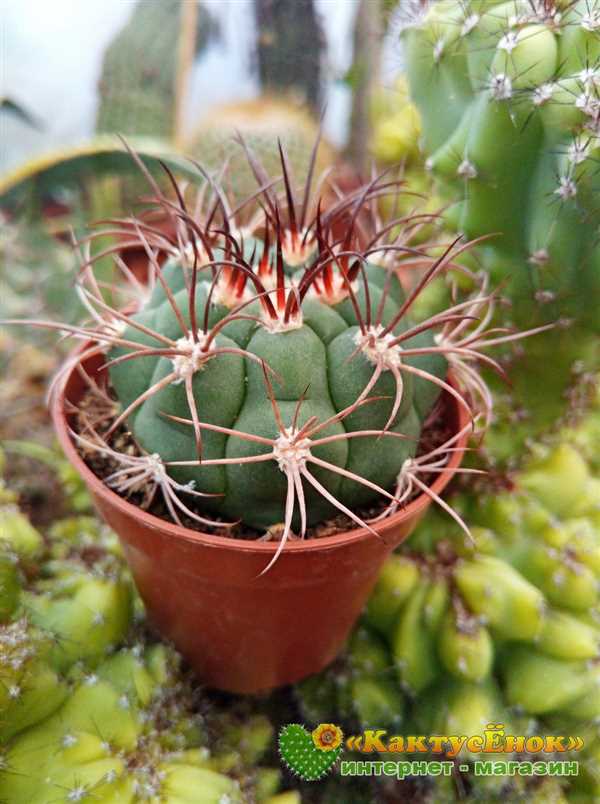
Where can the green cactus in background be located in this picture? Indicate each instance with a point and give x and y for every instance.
(74, 489)
(516, 146)
(137, 84)
(261, 122)
(18, 535)
(529, 576)
(30, 689)
(64, 599)
(81, 719)
(395, 142)
(359, 688)
(581, 428)
(502, 627)
(10, 588)
(87, 610)
(112, 740)
(63, 603)
(396, 125)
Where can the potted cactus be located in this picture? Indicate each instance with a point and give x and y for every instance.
(262, 422)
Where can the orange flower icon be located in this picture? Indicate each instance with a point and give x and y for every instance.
(327, 736)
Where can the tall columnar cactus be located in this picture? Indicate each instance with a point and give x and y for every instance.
(509, 95)
(271, 368)
(137, 85)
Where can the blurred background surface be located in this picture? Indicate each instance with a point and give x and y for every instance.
(66, 63)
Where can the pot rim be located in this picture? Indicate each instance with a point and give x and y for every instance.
(152, 522)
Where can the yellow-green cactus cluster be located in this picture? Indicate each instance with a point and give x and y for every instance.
(396, 142)
(84, 718)
(583, 429)
(127, 732)
(499, 627)
(360, 687)
(105, 743)
(63, 602)
(73, 488)
(524, 586)
(396, 125)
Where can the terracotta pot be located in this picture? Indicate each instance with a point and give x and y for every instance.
(136, 260)
(240, 632)
(135, 256)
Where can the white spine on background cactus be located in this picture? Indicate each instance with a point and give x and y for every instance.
(516, 148)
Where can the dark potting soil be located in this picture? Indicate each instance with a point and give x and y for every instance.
(93, 410)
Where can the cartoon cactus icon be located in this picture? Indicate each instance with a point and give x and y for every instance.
(516, 148)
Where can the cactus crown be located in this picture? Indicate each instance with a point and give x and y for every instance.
(270, 367)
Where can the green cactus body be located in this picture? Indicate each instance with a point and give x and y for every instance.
(521, 593)
(271, 365)
(81, 722)
(60, 606)
(396, 582)
(359, 690)
(461, 708)
(137, 85)
(10, 587)
(262, 122)
(30, 689)
(18, 534)
(541, 684)
(312, 369)
(86, 615)
(519, 83)
(107, 742)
